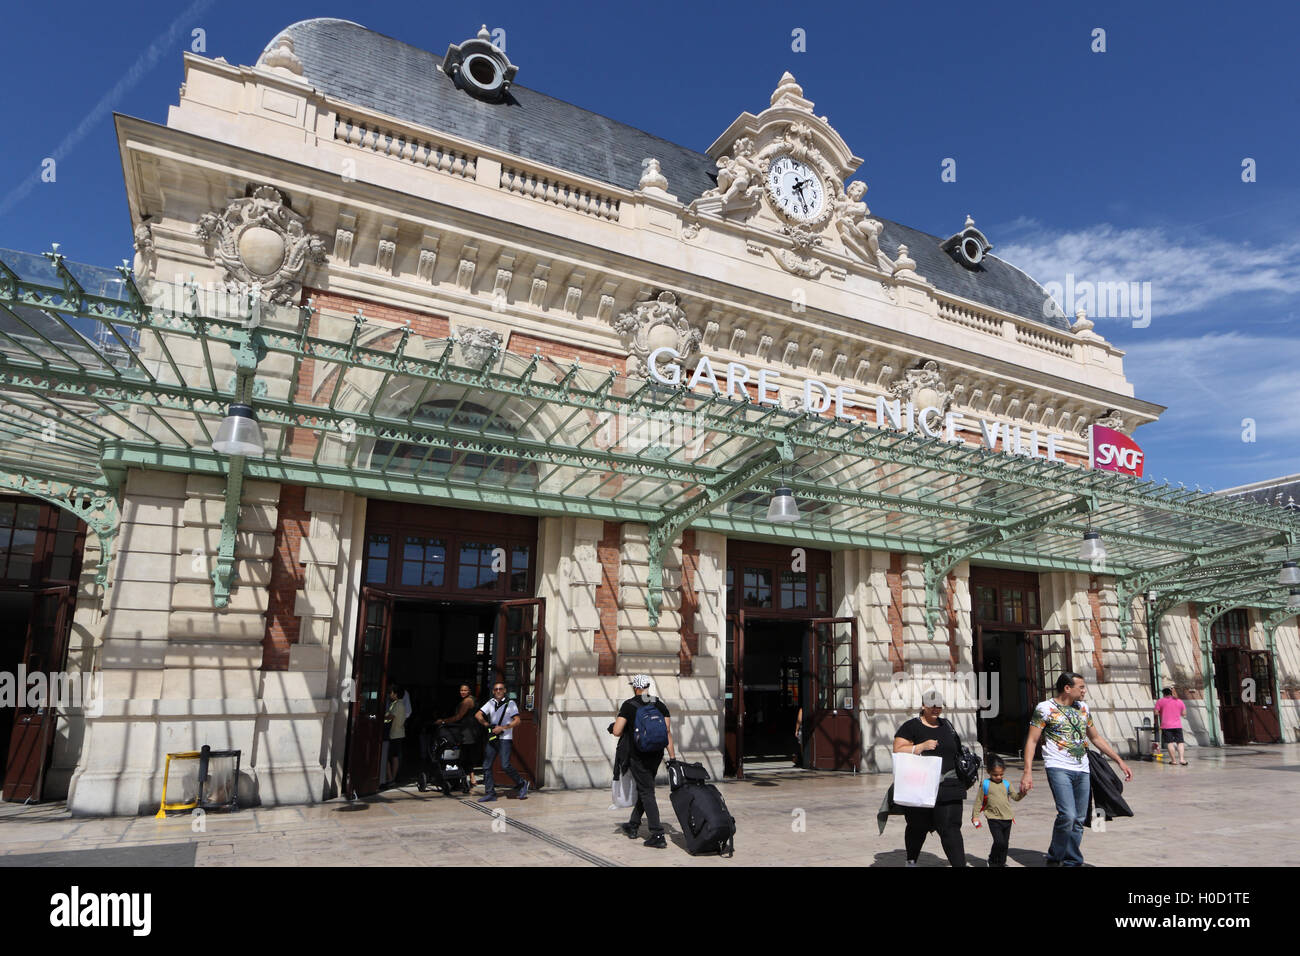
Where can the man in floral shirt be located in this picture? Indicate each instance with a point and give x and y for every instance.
(1065, 726)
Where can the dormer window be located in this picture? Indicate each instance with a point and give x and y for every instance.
(969, 247)
(479, 68)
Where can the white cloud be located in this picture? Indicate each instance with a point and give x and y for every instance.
(1187, 272)
(1211, 383)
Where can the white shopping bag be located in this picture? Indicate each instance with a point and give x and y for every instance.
(623, 792)
(916, 779)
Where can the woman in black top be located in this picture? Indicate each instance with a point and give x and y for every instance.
(932, 735)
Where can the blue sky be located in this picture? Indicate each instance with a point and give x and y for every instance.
(1116, 166)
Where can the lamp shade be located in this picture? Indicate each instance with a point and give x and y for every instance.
(239, 433)
(1293, 599)
(783, 507)
(1091, 548)
(1289, 575)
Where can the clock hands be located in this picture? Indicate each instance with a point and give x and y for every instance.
(798, 186)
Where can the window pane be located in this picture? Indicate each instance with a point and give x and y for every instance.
(794, 589)
(519, 569)
(758, 587)
(377, 559)
(823, 591)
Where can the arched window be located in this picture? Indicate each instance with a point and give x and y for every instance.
(469, 420)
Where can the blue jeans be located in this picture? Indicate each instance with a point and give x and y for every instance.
(1070, 789)
(489, 754)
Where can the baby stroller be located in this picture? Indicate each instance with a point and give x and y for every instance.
(441, 765)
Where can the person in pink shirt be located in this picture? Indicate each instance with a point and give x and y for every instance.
(1169, 711)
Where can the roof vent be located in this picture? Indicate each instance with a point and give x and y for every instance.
(479, 68)
(969, 247)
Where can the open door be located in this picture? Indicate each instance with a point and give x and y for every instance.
(1047, 657)
(518, 662)
(369, 681)
(836, 736)
(733, 725)
(1265, 724)
(1232, 666)
(44, 652)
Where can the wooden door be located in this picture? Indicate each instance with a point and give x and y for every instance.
(836, 736)
(1047, 657)
(1231, 665)
(44, 652)
(733, 723)
(518, 655)
(370, 689)
(1265, 724)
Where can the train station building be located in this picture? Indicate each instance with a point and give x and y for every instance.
(421, 376)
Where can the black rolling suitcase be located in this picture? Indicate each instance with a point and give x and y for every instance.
(706, 824)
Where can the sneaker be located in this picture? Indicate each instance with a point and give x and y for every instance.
(657, 841)
(489, 798)
(523, 790)
(911, 863)
(629, 830)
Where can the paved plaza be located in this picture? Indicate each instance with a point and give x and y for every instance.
(1230, 807)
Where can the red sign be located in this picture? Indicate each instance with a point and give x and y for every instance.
(1110, 450)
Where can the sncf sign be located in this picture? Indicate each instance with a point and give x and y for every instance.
(1110, 450)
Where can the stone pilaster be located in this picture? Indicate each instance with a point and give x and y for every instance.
(642, 647)
(710, 604)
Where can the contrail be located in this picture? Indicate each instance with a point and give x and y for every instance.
(165, 43)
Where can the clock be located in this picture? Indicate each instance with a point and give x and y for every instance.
(795, 189)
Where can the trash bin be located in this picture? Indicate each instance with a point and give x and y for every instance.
(1145, 737)
(219, 779)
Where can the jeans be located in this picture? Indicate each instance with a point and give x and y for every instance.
(643, 768)
(944, 817)
(489, 754)
(1000, 831)
(1070, 789)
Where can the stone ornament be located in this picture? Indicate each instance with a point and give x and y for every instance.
(259, 240)
(280, 55)
(740, 180)
(651, 325)
(924, 387)
(860, 235)
(478, 345)
(146, 257)
(652, 176)
(1112, 419)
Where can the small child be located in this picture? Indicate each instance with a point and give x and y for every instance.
(995, 802)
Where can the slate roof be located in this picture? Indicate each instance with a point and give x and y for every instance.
(1282, 492)
(348, 62)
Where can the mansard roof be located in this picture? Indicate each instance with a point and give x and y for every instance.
(346, 61)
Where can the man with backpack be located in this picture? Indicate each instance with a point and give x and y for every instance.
(648, 722)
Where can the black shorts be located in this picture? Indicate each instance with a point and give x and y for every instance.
(1173, 736)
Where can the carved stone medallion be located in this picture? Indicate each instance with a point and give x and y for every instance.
(651, 325)
(260, 239)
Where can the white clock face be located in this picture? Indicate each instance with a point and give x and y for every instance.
(795, 188)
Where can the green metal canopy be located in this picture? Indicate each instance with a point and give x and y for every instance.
(98, 376)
